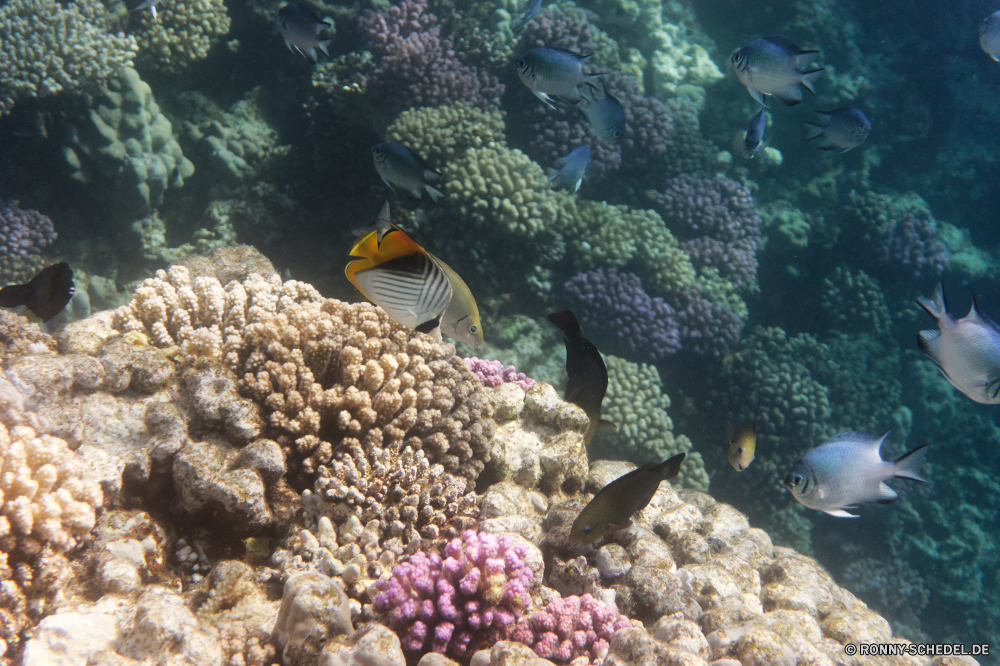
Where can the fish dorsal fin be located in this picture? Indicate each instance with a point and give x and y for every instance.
(977, 317)
(382, 223)
(877, 444)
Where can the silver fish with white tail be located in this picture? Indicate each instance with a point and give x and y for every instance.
(847, 470)
(841, 129)
(401, 166)
(966, 350)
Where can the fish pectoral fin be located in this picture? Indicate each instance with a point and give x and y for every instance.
(791, 95)
(606, 425)
(388, 184)
(757, 95)
(545, 98)
(840, 513)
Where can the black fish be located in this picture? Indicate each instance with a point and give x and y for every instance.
(45, 295)
(588, 376)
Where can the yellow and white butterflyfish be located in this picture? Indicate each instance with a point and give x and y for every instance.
(399, 276)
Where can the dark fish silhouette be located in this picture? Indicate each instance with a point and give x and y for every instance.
(614, 505)
(588, 376)
(45, 295)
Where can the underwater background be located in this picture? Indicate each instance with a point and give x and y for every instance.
(780, 289)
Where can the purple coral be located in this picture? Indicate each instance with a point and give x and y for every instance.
(706, 328)
(492, 373)
(571, 627)
(614, 306)
(23, 236)
(472, 597)
(716, 220)
(911, 244)
(416, 67)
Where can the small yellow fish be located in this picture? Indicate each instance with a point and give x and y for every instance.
(587, 380)
(742, 444)
(614, 505)
(414, 287)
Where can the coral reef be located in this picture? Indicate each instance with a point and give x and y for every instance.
(636, 404)
(24, 234)
(855, 301)
(457, 604)
(641, 326)
(717, 224)
(571, 627)
(182, 33)
(493, 374)
(443, 133)
(124, 141)
(50, 48)
(363, 407)
(416, 67)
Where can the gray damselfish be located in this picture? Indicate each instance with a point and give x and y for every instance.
(755, 133)
(604, 113)
(847, 470)
(398, 165)
(966, 350)
(571, 170)
(989, 35)
(773, 66)
(552, 73)
(842, 129)
(300, 26)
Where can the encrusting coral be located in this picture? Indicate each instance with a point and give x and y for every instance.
(389, 425)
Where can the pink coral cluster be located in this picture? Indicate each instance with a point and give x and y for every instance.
(416, 67)
(571, 627)
(492, 373)
(472, 597)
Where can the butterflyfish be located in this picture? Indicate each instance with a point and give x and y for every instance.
(414, 287)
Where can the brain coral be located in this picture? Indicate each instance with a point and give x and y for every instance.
(47, 47)
(388, 424)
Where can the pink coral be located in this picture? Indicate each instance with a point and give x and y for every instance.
(492, 373)
(571, 627)
(474, 596)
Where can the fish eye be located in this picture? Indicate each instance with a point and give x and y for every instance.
(520, 63)
(473, 329)
(586, 529)
(797, 479)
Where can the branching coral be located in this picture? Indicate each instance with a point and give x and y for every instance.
(458, 604)
(182, 33)
(854, 301)
(391, 425)
(571, 627)
(47, 48)
(441, 134)
(23, 236)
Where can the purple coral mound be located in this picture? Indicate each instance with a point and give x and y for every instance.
(492, 373)
(610, 303)
(23, 236)
(416, 67)
(571, 627)
(716, 220)
(911, 244)
(706, 328)
(472, 597)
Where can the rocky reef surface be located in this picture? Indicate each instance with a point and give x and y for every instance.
(248, 473)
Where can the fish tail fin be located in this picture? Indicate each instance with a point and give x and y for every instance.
(323, 46)
(434, 192)
(808, 78)
(14, 295)
(813, 131)
(566, 322)
(553, 174)
(669, 468)
(936, 306)
(908, 463)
